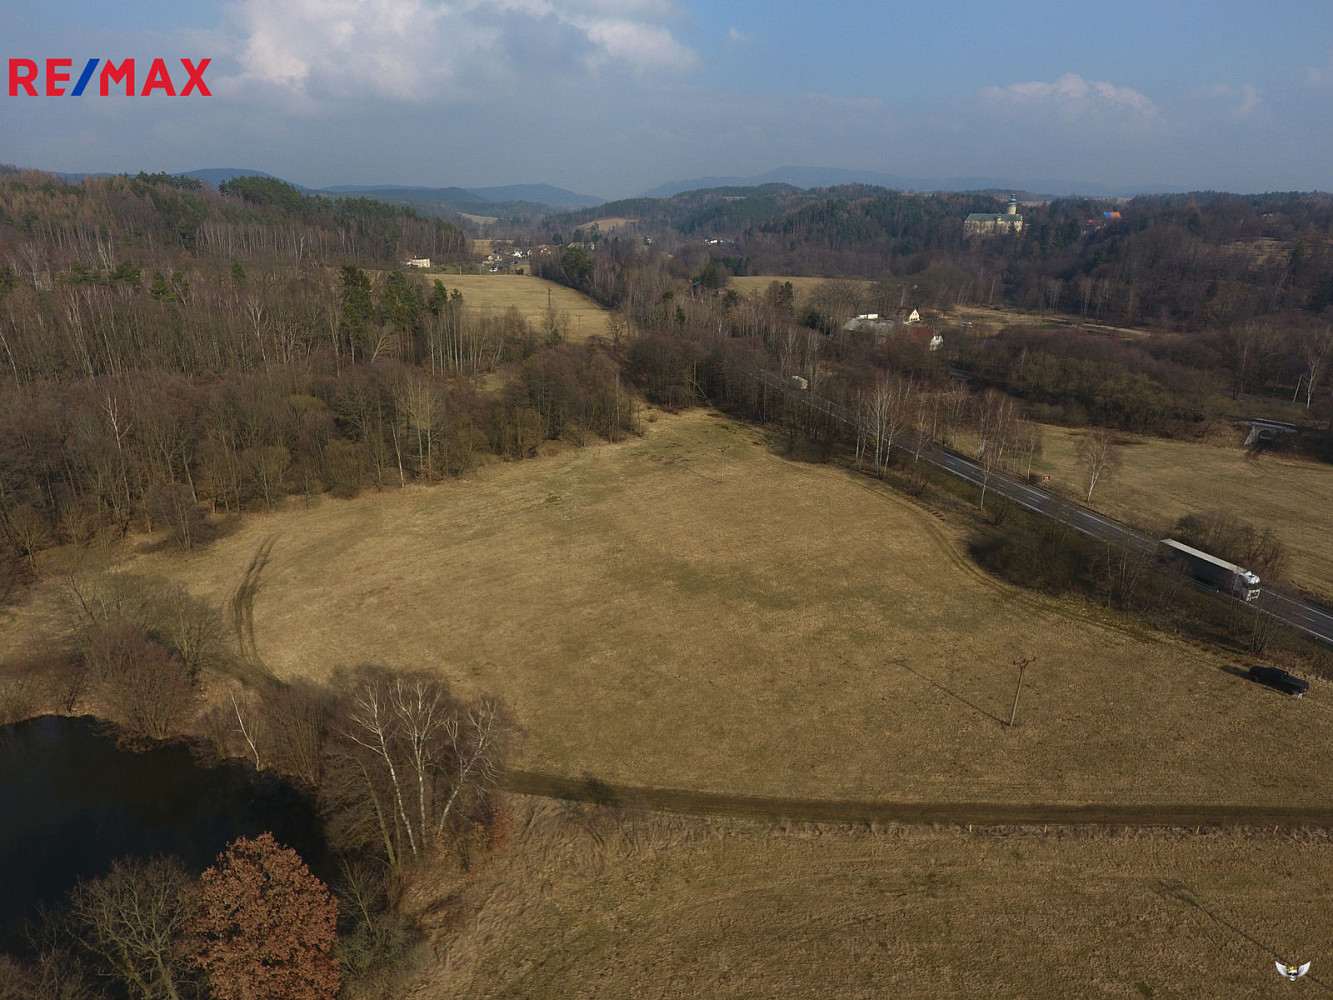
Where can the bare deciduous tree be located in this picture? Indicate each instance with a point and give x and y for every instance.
(997, 422)
(144, 688)
(1316, 348)
(1029, 443)
(1098, 456)
(883, 412)
(412, 758)
(134, 919)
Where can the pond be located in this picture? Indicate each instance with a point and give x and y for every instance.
(71, 802)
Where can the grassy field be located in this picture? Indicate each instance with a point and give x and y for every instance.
(1162, 480)
(751, 284)
(985, 318)
(586, 904)
(497, 292)
(610, 223)
(688, 610)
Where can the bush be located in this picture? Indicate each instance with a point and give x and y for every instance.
(1234, 540)
(146, 690)
(1043, 555)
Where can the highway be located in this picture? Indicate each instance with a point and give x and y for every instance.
(1301, 615)
(1308, 618)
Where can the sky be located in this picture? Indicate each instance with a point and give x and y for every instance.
(614, 97)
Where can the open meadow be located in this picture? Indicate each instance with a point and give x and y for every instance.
(530, 295)
(1160, 481)
(801, 286)
(688, 610)
(587, 903)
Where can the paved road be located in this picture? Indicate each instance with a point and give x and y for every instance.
(1302, 615)
(1308, 618)
(679, 800)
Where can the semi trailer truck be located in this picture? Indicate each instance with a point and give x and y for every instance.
(1210, 570)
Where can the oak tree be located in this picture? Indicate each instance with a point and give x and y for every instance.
(265, 926)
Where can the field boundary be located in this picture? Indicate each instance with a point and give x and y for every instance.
(987, 814)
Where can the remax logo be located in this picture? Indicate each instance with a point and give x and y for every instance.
(26, 78)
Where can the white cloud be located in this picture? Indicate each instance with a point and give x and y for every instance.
(1315, 76)
(424, 50)
(1242, 101)
(737, 37)
(1249, 100)
(1073, 93)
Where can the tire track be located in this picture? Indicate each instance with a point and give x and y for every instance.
(990, 814)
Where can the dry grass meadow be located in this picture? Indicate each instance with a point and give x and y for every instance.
(688, 610)
(593, 905)
(801, 286)
(1160, 481)
(610, 223)
(494, 293)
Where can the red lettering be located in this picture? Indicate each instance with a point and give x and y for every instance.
(158, 79)
(196, 78)
(24, 80)
(53, 77)
(124, 73)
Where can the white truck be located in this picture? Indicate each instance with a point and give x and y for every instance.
(1216, 573)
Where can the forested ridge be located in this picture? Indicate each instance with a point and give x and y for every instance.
(1172, 262)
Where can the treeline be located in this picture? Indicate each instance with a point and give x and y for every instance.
(93, 456)
(47, 225)
(1074, 378)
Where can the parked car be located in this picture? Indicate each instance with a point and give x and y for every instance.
(1275, 677)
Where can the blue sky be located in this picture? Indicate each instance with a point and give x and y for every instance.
(612, 97)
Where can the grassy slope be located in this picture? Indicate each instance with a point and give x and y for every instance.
(688, 610)
(494, 293)
(592, 905)
(1162, 480)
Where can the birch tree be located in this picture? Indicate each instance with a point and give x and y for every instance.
(1098, 456)
(413, 760)
(997, 422)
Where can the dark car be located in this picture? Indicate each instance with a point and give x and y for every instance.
(1275, 677)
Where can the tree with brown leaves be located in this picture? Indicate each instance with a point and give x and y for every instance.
(266, 927)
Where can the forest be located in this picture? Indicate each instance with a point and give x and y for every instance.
(172, 353)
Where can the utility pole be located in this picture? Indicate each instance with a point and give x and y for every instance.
(1022, 665)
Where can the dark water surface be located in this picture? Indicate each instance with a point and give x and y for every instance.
(71, 802)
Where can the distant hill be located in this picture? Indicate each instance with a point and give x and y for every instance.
(822, 177)
(509, 200)
(506, 201)
(542, 194)
(220, 175)
(449, 194)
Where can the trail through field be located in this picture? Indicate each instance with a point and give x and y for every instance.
(759, 807)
